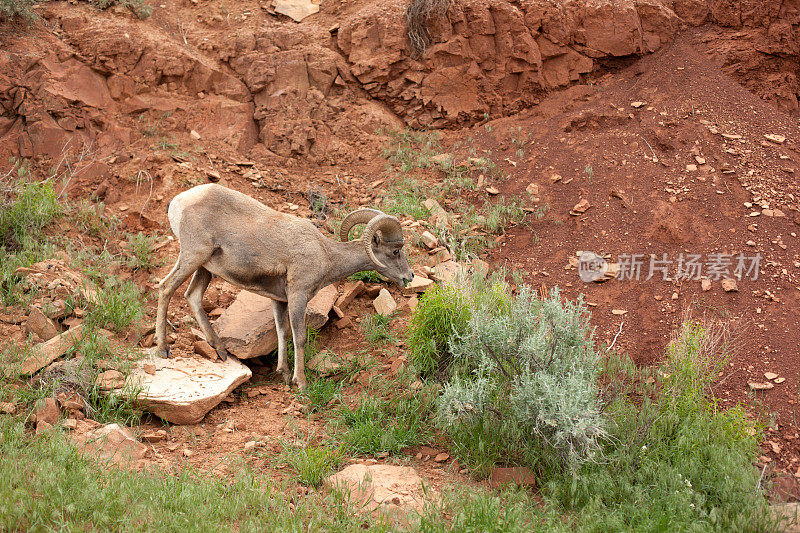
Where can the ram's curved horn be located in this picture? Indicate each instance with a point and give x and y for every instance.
(391, 231)
(359, 216)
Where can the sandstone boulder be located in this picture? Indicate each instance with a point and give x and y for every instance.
(183, 390)
(111, 442)
(387, 487)
(247, 327)
(42, 325)
(385, 304)
(448, 272)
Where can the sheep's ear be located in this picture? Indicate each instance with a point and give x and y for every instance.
(376, 239)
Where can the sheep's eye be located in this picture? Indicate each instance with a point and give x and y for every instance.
(397, 252)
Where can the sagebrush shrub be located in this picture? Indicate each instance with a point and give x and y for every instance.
(526, 373)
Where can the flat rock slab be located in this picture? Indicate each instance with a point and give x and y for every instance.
(788, 516)
(184, 390)
(297, 10)
(111, 442)
(387, 487)
(448, 272)
(247, 327)
(45, 353)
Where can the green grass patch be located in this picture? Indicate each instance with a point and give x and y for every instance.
(378, 425)
(376, 329)
(320, 392)
(26, 207)
(47, 486)
(673, 459)
(115, 304)
(409, 149)
(140, 252)
(311, 464)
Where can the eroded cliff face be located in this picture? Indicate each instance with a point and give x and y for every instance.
(83, 77)
(495, 57)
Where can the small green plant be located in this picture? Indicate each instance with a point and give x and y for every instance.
(311, 464)
(114, 303)
(377, 425)
(88, 218)
(517, 138)
(150, 128)
(166, 144)
(367, 276)
(321, 392)
(140, 251)
(376, 329)
(589, 173)
(319, 203)
(405, 197)
(500, 213)
(410, 149)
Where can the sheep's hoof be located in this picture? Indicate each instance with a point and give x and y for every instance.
(163, 352)
(285, 374)
(301, 384)
(222, 353)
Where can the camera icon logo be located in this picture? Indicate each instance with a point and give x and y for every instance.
(591, 267)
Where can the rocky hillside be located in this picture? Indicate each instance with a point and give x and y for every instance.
(259, 83)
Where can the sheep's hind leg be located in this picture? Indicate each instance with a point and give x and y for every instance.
(194, 295)
(187, 264)
(166, 288)
(280, 311)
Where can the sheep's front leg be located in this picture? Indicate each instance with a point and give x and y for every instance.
(280, 311)
(297, 318)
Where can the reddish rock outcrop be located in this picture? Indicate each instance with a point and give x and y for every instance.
(495, 58)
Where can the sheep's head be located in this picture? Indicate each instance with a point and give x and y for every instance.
(383, 242)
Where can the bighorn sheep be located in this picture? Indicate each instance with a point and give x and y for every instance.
(286, 258)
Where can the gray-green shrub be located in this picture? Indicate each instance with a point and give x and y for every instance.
(674, 460)
(527, 374)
